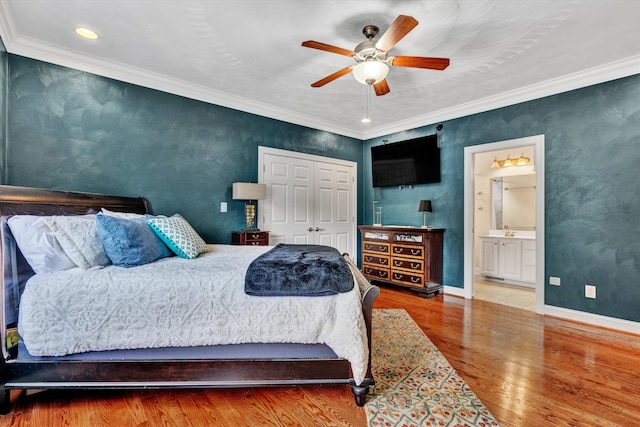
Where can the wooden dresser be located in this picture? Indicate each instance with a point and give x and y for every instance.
(250, 238)
(404, 256)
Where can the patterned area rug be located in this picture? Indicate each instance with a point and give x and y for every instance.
(415, 385)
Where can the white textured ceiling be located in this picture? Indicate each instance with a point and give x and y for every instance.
(246, 54)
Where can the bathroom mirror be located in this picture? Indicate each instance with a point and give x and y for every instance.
(513, 202)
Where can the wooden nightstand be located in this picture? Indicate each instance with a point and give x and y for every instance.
(250, 238)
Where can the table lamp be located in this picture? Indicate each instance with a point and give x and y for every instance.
(249, 192)
(424, 207)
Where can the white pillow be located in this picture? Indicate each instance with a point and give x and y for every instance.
(38, 244)
(78, 236)
(126, 215)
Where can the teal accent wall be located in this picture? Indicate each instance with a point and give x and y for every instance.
(72, 130)
(592, 228)
(76, 131)
(3, 111)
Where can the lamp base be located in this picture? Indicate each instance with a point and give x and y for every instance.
(249, 215)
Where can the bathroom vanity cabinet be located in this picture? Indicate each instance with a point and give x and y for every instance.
(508, 259)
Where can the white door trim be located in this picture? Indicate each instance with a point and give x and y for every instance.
(262, 151)
(469, 268)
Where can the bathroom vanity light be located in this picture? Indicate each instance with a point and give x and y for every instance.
(520, 161)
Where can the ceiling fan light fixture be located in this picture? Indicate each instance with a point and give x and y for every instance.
(370, 72)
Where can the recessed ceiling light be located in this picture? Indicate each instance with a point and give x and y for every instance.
(366, 120)
(86, 33)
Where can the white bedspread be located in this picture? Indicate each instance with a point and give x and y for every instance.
(175, 302)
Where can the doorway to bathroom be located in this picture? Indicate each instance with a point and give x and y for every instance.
(504, 222)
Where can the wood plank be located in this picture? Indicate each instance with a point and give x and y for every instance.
(529, 370)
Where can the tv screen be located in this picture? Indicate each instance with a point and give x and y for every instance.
(415, 161)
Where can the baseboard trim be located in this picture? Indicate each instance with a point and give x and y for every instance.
(593, 319)
(452, 290)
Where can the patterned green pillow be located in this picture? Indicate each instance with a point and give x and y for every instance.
(178, 234)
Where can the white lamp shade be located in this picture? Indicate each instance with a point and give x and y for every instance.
(370, 72)
(249, 191)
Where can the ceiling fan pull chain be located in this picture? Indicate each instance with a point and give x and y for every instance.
(366, 119)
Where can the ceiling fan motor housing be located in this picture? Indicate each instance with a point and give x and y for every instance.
(367, 51)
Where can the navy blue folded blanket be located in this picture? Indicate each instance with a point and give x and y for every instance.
(298, 270)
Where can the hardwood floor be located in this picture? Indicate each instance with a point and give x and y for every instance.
(528, 369)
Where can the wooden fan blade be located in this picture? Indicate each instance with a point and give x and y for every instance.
(332, 77)
(420, 62)
(328, 48)
(398, 29)
(381, 88)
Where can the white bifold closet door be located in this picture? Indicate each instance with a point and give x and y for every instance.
(310, 199)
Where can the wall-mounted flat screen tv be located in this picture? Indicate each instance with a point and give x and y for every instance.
(415, 161)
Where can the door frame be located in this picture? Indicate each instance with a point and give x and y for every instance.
(262, 151)
(469, 175)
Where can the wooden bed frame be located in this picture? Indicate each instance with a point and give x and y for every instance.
(219, 371)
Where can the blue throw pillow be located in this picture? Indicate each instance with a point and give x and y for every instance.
(130, 242)
(178, 234)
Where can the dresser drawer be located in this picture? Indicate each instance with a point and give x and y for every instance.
(375, 273)
(408, 251)
(407, 278)
(416, 265)
(250, 238)
(256, 237)
(375, 260)
(375, 247)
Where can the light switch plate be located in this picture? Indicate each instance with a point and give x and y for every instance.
(555, 281)
(223, 206)
(589, 291)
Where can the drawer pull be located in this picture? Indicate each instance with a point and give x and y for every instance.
(398, 276)
(255, 243)
(368, 258)
(368, 270)
(397, 250)
(415, 279)
(382, 261)
(415, 251)
(382, 273)
(397, 263)
(415, 266)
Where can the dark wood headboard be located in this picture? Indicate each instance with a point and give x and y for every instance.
(36, 201)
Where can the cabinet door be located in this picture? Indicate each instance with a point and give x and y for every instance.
(510, 259)
(489, 257)
(529, 261)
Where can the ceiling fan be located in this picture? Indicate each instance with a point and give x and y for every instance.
(372, 56)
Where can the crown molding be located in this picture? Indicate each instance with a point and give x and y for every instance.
(569, 82)
(41, 51)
